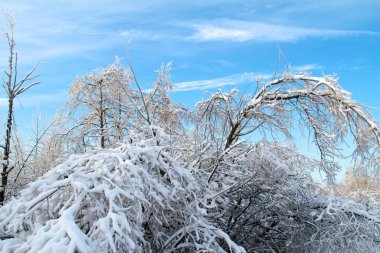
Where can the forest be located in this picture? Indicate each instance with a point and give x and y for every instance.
(121, 168)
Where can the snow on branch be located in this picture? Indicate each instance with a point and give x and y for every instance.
(317, 104)
(134, 198)
(268, 204)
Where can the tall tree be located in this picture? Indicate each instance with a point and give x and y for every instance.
(13, 88)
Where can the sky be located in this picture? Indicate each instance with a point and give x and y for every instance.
(212, 44)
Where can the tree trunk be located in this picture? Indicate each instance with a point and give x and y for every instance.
(101, 117)
(7, 145)
(231, 136)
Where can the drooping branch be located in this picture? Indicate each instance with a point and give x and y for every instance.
(329, 112)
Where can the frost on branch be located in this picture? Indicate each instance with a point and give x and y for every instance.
(221, 184)
(134, 198)
(98, 111)
(269, 203)
(317, 104)
(266, 203)
(324, 108)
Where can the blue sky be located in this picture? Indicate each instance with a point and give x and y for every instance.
(212, 44)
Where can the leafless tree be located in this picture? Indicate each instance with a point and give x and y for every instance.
(164, 112)
(29, 156)
(360, 187)
(13, 88)
(318, 104)
(98, 105)
(103, 107)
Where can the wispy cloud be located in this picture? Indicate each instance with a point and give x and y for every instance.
(307, 67)
(62, 31)
(76, 28)
(237, 79)
(231, 80)
(241, 31)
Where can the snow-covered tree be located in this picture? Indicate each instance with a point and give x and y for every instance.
(27, 156)
(215, 184)
(163, 110)
(98, 104)
(271, 204)
(362, 188)
(317, 104)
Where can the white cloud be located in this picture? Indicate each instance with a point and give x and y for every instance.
(213, 33)
(237, 79)
(231, 80)
(240, 31)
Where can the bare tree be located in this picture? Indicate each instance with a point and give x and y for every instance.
(103, 107)
(318, 104)
(13, 88)
(28, 156)
(165, 113)
(99, 106)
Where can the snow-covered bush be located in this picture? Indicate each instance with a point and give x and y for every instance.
(271, 206)
(135, 198)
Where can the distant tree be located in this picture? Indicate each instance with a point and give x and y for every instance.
(52, 149)
(13, 88)
(30, 157)
(361, 187)
(98, 105)
(164, 112)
